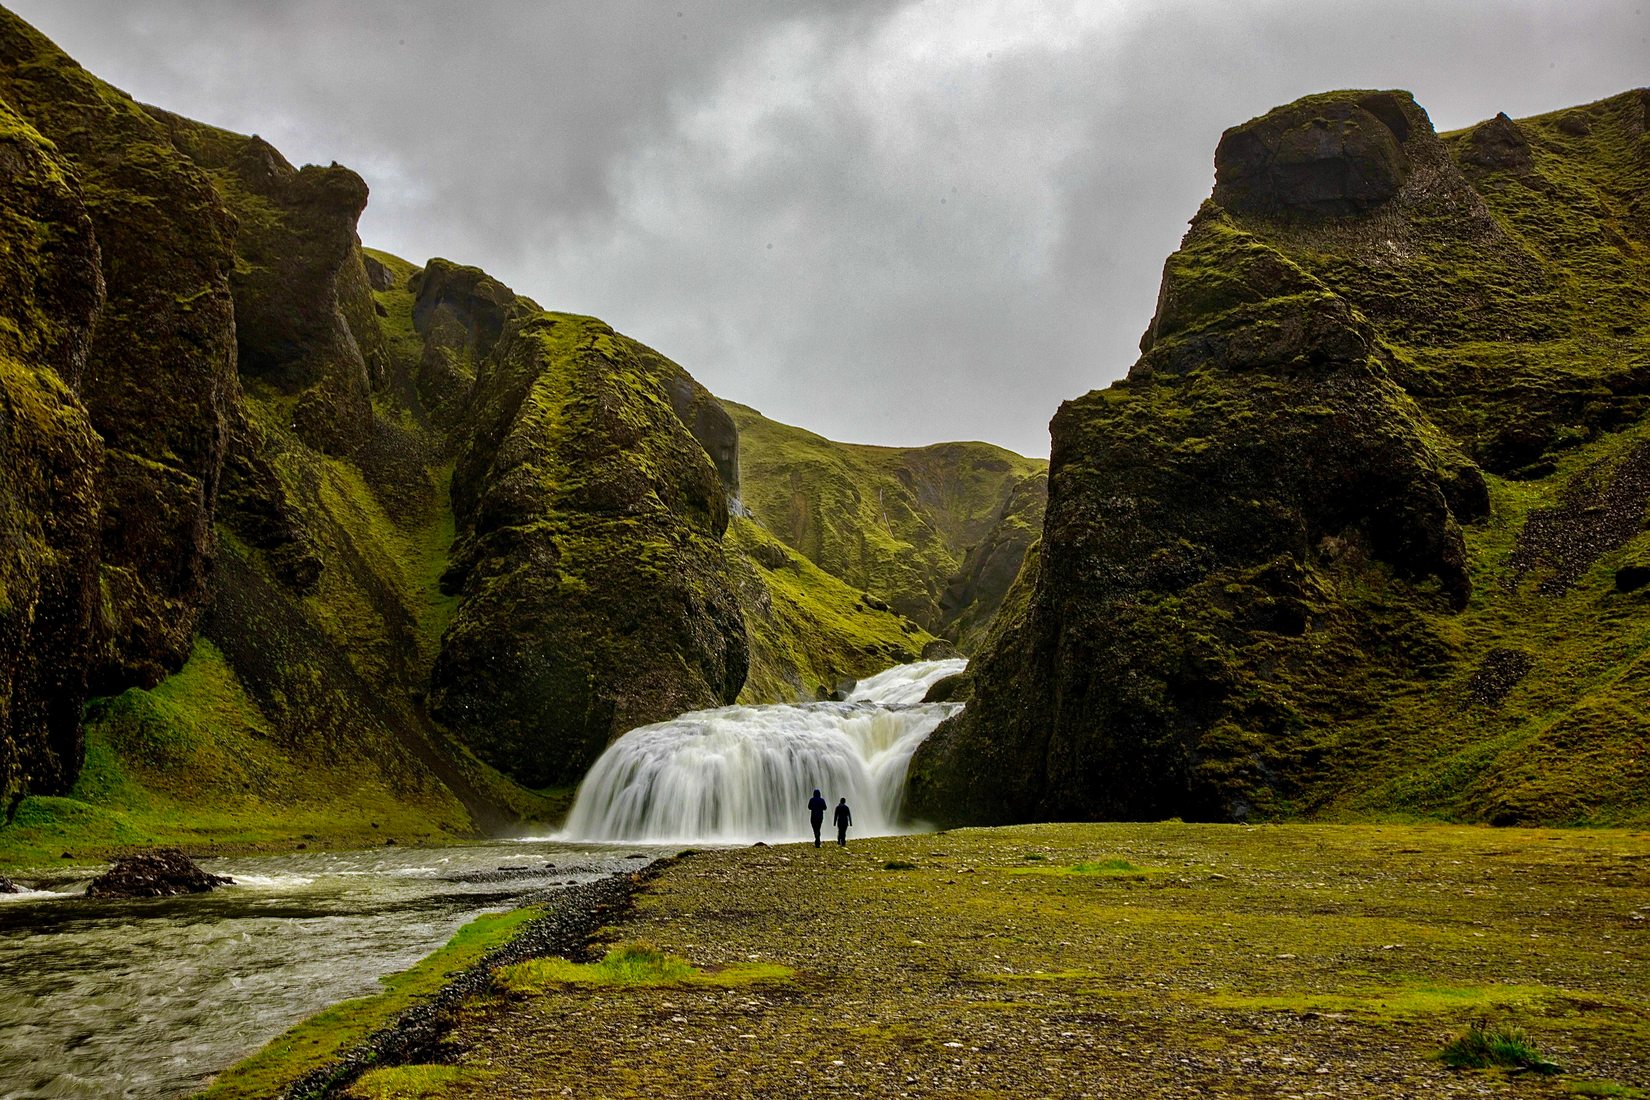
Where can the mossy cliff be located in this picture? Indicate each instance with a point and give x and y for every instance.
(1363, 530)
(594, 592)
(311, 541)
(899, 522)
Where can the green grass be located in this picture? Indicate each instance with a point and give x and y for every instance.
(418, 1083)
(322, 1037)
(1102, 868)
(637, 962)
(1486, 1046)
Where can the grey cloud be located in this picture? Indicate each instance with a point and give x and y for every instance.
(892, 223)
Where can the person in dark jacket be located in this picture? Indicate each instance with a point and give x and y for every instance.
(816, 814)
(844, 818)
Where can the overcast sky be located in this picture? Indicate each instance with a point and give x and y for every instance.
(888, 222)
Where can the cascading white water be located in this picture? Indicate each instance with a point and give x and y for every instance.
(740, 774)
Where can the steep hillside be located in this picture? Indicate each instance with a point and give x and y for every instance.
(315, 543)
(899, 522)
(1362, 532)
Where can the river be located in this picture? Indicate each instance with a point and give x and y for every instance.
(148, 998)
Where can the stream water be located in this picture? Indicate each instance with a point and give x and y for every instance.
(147, 998)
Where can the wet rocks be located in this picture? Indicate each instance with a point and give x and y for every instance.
(7, 886)
(160, 873)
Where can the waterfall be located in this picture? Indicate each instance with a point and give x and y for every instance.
(739, 774)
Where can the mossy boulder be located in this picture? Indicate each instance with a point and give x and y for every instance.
(594, 592)
(1348, 532)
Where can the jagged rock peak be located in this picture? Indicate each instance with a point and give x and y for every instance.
(1333, 155)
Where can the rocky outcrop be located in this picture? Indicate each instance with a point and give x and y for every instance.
(460, 312)
(1332, 156)
(162, 873)
(303, 307)
(1265, 553)
(594, 592)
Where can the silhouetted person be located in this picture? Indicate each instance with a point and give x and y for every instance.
(844, 818)
(816, 814)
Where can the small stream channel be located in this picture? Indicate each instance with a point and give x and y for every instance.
(148, 998)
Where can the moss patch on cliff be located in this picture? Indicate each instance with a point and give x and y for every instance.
(808, 630)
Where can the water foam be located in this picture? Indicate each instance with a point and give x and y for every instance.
(740, 774)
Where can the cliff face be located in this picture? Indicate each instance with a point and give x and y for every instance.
(1356, 533)
(934, 532)
(594, 592)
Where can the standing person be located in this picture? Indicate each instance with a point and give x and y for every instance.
(816, 814)
(844, 818)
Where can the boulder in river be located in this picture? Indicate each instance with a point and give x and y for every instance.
(160, 873)
(7, 886)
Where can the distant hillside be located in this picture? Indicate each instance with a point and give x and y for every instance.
(899, 522)
(1363, 531)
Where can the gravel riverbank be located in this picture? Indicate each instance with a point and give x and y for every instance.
(1162, 960)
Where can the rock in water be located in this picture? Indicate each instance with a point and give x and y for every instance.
(7, 886)
(157, 874)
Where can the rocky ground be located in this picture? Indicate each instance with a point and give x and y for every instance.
(1098, 961)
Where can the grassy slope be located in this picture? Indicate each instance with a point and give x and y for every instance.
(1220, 961)
(894, 521)
(808, 630)
(1544, 339)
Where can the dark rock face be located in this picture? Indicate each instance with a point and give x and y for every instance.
(975, 594)
(1328, 156)
(162, 873)
(299, 281)
(461, 313)
(7, 886)
(50, 629)
(158, 377)
(1497, 146)
(595, 593)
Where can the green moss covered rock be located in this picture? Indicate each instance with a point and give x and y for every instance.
(1347, 538)
(594, 593)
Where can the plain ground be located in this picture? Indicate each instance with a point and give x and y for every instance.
(1100, 961)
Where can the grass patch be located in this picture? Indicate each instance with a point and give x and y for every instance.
(635, 963)
(1604, 1088)
(417, 1083)
(1102, 868)
(327, 1034)
(899, 865)
(1482, 1046)
(1419, 999)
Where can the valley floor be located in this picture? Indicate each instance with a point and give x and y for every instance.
(1096, 961)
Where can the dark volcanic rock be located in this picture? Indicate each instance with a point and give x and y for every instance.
(1497, 146)
(1330, 156)
(974, 595)
(460, 312)
(157, 874)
